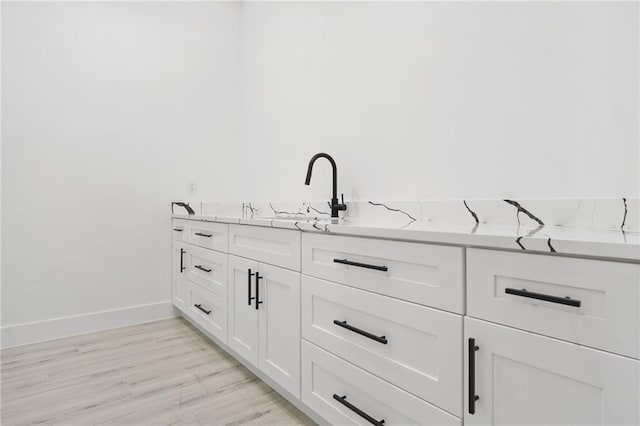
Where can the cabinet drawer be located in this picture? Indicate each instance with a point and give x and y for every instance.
(591, 302)
(209, 235)
(280, 247)
(521, 378)
(207, 268)
(326, 377)
(416, 348)
(421, 273)
(209, 310)
(180, 230)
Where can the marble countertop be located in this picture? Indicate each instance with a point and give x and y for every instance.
(529, 237)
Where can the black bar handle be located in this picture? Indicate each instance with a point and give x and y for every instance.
(343, 400)
(199, 306)
(178, 229)
(547, 298)
(258, 301)
(249, 275)
(202, 268)
(360, 265)
(381, 339)
(182, 252)
(200, 234)
(472, 375)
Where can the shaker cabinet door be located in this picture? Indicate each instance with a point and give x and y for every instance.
(243, 317)
(279, 292)
(520, 378)
(179, 282)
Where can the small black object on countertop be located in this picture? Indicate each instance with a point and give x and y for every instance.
(181, 204)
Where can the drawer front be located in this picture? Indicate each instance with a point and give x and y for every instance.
(421, 273)
(280, 247)
(326, 377)
(208, 310)
(209, 235)
(207, 268)
(416, 348)
(180, 230)
(594, 303)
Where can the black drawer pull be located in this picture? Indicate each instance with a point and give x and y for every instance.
(343, 400)
(202, 268)
(472, 375)
(249, 275)
(178, 229)
(381, 339)
(200, 234)
(361, 265)
(199, 306)
(539, 296)
(182, 252)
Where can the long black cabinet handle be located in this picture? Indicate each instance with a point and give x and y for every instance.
(360, 265)
(200, 234)
(202, 268)
(249, 275)
(381, 339)
(199, 306)
(547, 298)
(178, 229)
(472, 375)
(343, 400)
(182, 252)
(258, 301)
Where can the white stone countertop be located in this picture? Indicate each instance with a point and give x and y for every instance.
(558, 240)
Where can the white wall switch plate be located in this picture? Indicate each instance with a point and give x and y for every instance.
(192, 187)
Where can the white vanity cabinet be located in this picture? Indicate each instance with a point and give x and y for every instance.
(365, 331)
(264, 319)
(521, 378)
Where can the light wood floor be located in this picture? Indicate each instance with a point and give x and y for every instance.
(161, 373)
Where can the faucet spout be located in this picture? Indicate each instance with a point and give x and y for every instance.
(335, 205)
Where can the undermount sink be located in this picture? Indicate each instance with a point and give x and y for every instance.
(293, 218)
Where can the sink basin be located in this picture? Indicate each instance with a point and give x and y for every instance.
(292, 218)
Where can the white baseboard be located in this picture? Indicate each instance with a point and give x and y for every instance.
(40, 331)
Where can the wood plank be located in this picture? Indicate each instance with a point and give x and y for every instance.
(165, 372)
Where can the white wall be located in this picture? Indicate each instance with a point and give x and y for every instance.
(442, 99)
(108, 109)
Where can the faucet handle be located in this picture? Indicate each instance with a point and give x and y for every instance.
(342, 206)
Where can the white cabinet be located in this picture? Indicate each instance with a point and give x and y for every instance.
(279, 325)
(180, 229)
(207, 268)
(383, 336)
(264, 319)
(209, 235)
(592, 302)
(179, 281)
(416, 348)
(207, 309)
(280, 247)
(521, 378)
(428, 274)
(344, 394)
(243, 317)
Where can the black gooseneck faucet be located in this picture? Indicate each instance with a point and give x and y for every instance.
(335, 205)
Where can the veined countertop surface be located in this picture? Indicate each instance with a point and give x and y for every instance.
(529, 236)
